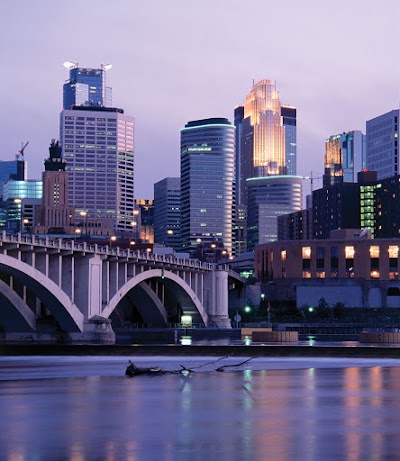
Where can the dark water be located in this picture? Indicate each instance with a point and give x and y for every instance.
(81, 409)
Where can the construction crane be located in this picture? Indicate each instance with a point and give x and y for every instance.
(311, 178)
(21, 151)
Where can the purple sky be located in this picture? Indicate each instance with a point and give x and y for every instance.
(179, 60)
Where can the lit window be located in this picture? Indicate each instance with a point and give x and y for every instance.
(349, 252)
(393, 251)
(283, 255)
(374, 274)
(374, 251)
(306, 252)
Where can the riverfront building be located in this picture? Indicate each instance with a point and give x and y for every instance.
(350, 268)
(207, 184)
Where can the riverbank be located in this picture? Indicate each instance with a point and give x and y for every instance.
(270, 350)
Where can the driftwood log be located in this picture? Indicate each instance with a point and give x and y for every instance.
(133, 370)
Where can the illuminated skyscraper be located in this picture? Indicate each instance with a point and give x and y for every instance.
(266, 136)
(265, 164)
(207, 184)
(344, 157)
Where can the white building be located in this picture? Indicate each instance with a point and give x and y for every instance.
(98, 145)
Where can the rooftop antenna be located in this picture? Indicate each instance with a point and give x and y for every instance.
(21, 152)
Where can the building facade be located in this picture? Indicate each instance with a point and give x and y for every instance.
(207, 184)
(354, 270)
(269, 198)
(167, 212)
(382, 145)
(345, 156)
(54, 215)
(98, 145)
(86, 87)
(289, 119)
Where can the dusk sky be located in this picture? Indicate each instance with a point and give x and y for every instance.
(179, 60)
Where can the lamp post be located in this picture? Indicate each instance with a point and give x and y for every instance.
(77, 232)
(113, 238)
(83, 214)
(26, 223)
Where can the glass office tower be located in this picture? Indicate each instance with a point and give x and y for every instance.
(289, 115)
(86, 87)
(207, 184)
(167, 212)
(270, 197)
(382, 154)
(344, 157)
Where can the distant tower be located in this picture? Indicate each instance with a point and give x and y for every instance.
(54, 215)
(98, 143)
(383, 145)
(344, 157)
(207, 184)
(86, 87)
(167, 212)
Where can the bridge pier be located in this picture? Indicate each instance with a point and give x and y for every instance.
(216, 298)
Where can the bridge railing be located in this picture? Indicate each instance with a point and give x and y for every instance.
(71, 244)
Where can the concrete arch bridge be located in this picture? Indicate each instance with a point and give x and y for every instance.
(54, 289)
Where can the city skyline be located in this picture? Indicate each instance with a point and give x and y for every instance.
(163, 74)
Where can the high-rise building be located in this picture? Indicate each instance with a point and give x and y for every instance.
(269, 198)
(289, 115)
(382, 150)
(265, 129)
(207, 184)
(86, 87)
(167, 212)
(98, 145)
(344, 157)
(54, 215)
(335, 207)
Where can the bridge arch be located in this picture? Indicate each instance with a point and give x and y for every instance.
(57, 301)
(156, 274)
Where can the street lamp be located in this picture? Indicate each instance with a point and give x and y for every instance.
(83, 214)
(77, 232)
(26, 222)
(113, 238)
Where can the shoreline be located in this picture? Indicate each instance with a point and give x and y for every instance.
(275, 350)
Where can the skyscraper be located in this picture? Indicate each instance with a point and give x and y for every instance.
(344, 157)
(167, 212)
(207, 183)
(262, 149)
(269, 198)
(289, 116)
(382, 152)
(86, 87)
(266, 148)
(98, 146)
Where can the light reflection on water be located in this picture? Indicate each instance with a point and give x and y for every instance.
(309, 409)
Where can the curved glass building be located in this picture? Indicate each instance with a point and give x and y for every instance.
(268, 198)
(207, 184)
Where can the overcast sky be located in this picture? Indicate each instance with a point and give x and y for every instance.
(173, 61)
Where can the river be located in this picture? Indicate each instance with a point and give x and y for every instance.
(86, 409)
